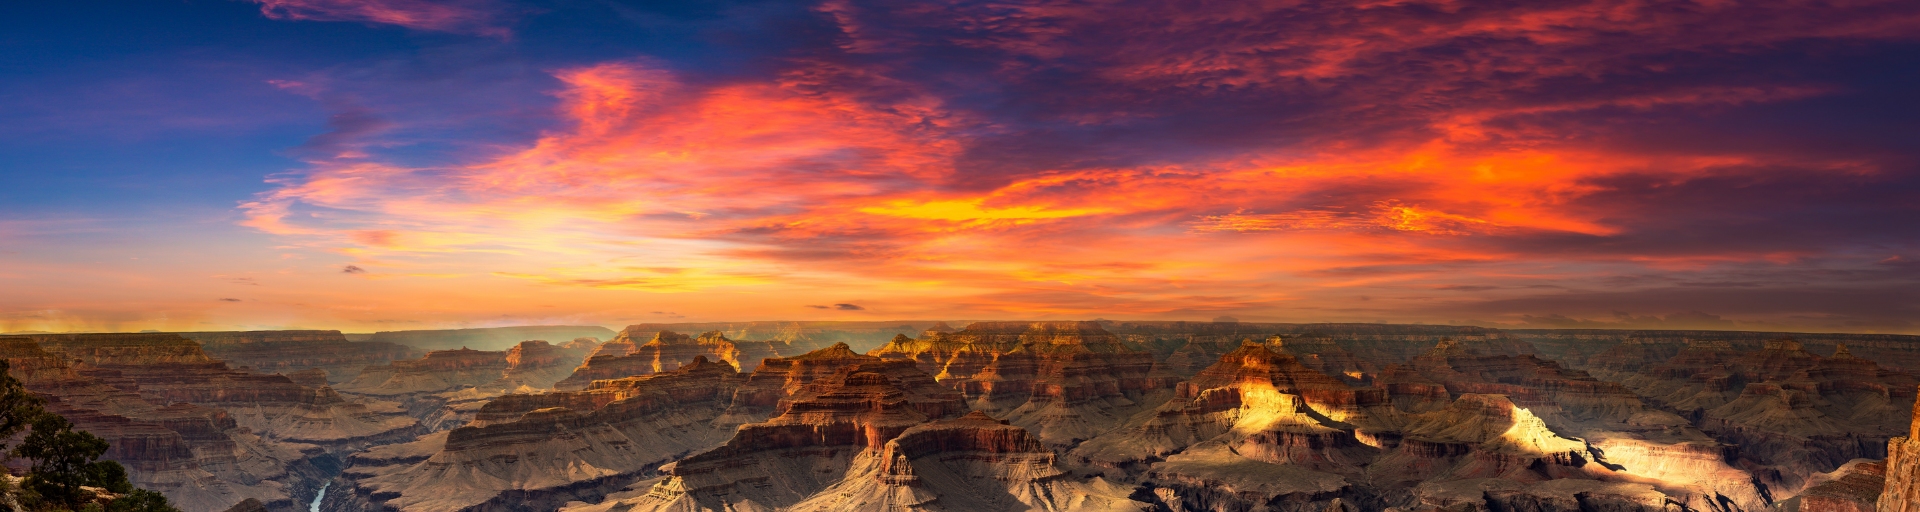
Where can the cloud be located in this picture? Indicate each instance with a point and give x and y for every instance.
(479, 17)
(1140, 159)
(353, 269)
(228, 300)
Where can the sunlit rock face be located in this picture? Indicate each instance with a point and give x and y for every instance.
(206, 435)
(1790, 413)
(876, 435)
(823, 434)
(1630, 439)
(1254, 427)
(1064, 381)
(292, 351)
(538, 451)
(1901, 488)
(666, 350)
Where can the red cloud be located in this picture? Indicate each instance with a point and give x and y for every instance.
(1436, 142)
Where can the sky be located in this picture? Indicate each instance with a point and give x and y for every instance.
(409, 164)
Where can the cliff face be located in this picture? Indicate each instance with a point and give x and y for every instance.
(795, 337)
(185, 425)
(1891, 351)
(491, 338)
(1065, 381)
(623, 357)
(539, 450)
(1791, 413)
(1901, 487)
(825, 432)
(292, 351)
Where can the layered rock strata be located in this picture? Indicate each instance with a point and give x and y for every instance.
(1791, 413)
(667, 350)
(490, 338)
(538, 451)
(1065, 381)
(188, 426)
(293, 351)
(1901, 486)
(873, 436)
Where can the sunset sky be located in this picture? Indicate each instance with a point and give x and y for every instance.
(409, 164)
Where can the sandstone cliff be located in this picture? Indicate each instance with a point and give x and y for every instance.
(1901, 487)
(1064, 381)
(291, 351)
(183, 424)
(537, 451)
(490, 338)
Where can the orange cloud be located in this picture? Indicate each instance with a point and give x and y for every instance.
(834, 176)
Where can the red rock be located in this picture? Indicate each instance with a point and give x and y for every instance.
(1855, 487)
(536, 451)
(1067, 381)
(290, 351)
(1901, 489)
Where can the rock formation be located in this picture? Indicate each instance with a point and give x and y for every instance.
(667, 350)
(1790, 413)
(490, 338)
(537, 451)
(1901, 488)
(186, 425)
(875, 436)
(290, 351)
(1855, 487)
(438, 371)
(1064, 381)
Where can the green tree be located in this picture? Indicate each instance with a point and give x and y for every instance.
(141, 500)
(18, 407)
(63, 460)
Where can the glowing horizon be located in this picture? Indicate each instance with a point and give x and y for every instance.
(403, 164)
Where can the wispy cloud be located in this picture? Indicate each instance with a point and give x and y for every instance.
(1210, 158)
(481, 17)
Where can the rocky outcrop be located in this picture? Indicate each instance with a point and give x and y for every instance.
(793, 338)
(1577, 346)
(667, 350)
(1791, 413)
(490, 338)
(1901, 488)
(1855, 487)
(293, 351)
(537, 451)
(206, 435)
(822, 434)
(1255, 427)
(1065, 381)
(438, 371)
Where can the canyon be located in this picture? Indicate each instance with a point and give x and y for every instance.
(993, 415)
